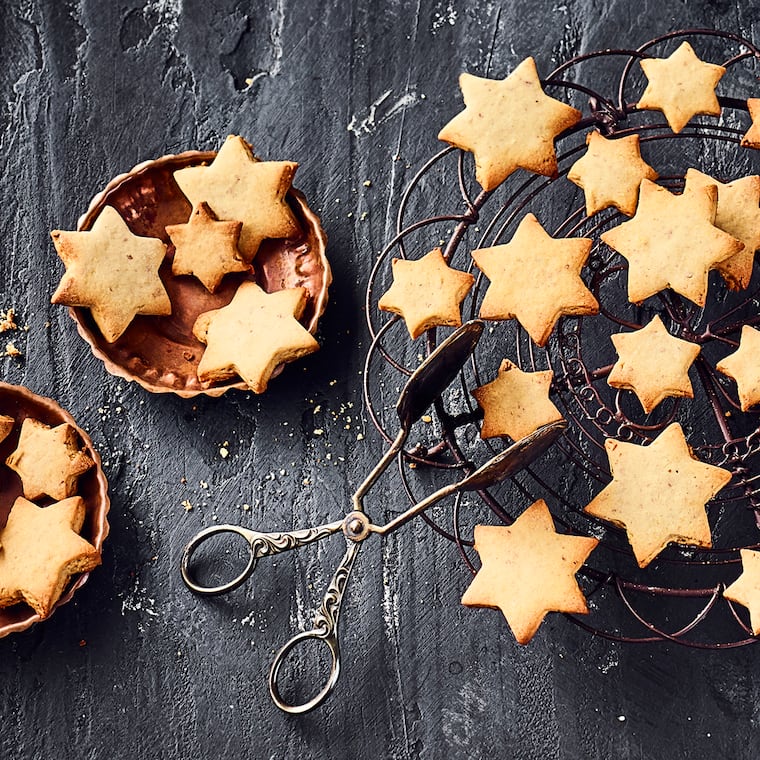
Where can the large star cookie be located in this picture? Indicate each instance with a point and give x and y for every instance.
(48, 460)
(426, 293)
(653, 364)
(535, 278)
(509, 124)
(738, 214)
(41, 550)
(658, 493)
(672, 243)
(528, 569)
(239, 187)
(516, 403)
(744, 366)
(681, 86)
(112, 272)
(610, 173)
(746, 588)
(253, 335)
(206, 247)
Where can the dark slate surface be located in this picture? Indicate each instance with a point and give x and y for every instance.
(136, 666)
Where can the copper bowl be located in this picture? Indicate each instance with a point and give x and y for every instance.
(161, 353)
(20, 403)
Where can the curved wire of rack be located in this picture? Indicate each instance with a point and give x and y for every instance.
(627, 604)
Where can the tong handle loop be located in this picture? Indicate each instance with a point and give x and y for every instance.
(325, 630)
(259, 545)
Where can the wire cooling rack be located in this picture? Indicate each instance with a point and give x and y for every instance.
(678, 597)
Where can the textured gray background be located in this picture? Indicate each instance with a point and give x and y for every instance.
(88, 88)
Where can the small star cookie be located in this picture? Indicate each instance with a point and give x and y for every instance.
(528, 569)
(672, 242)
(751, 138)
(509, 124)
(239, 187)
(535, 278)
(206, 247)
(746, 588)
(426, 293)
(738, 214)
(610, 173)
(6, 425)
(112, 272)
(658, 493)
(48, 460)
(744, 367)
(516, 403)
(253, 335)
(41, 551)
(653, 364)
(681, 86)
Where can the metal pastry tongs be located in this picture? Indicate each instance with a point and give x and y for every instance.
(422, 388)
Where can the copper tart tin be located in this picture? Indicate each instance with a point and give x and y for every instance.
(161, 353)
(20, 403)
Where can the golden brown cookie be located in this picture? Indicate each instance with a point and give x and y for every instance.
(426, 293)
(535, 278)
(516, 403)
(528, 569)
(509, 124)
(6, 425)
(41, 551)
(653, 364)
(738, 214)
(672, 242)
(746, 588)
(206, 248)
(253, 335)
(751, 138)
(658, 493)
(112, 272)
(744, 366)
(48, 460)
(681, 86)
(610, 173)
(239, 187)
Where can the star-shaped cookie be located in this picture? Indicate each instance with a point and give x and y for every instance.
(746, 588)
(751, 138)
(672, 242)
(239, 187)
(653, 364)
(206, 247)
(253, 335)
(535, 278)
(681, 86)
(516, 403)
(48, 460)
(528, 569)
(112, 272)
(41, 551)
(509, 124)
(426, 293)
(744, 366)
(658, 493)
(610, 173)
(738, 214)
(6, 425)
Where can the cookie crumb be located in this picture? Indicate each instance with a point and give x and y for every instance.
(187, 505)
(224, 452)
(11, 350)
(246, 507)
(367, 183)
(7, 320)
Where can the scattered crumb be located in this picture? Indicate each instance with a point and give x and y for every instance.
(183, 480)
(82, 643)
(246, 507)
(426, 418)
(367, 183)
(319, 431)
(7, 320)
(249, 81)
(11, 350)
(333, 382)
(360, 436)
(187, 505)
(203, 484)
(224, 452)
(364, 215)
